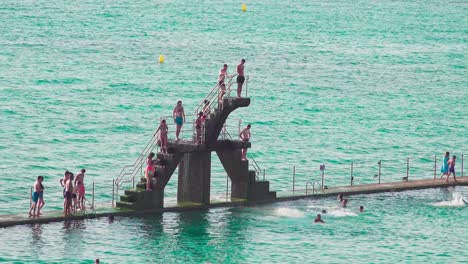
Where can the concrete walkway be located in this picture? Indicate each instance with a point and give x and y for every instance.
(57, 216)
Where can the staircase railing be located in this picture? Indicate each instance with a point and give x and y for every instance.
(129, 172)
(213, 95)
(257, 169)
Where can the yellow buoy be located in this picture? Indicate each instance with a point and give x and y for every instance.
(161, 59)
(244, 7)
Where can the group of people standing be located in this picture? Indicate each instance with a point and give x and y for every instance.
(73, 194)
(448, 167)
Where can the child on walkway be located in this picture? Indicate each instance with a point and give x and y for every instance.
(451, 168)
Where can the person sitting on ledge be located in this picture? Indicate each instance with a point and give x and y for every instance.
(318, 220)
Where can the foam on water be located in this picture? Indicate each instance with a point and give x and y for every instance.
(332, 210)
(289, 212)
(341, 213)
(457, 201)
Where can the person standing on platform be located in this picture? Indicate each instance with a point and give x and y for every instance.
(150, 171)
(245, 136)
(198, 127)
(179, 117)
(81, 188)
(240, 77)
(444, 168)
(222, 75)
(451, 168)
(35, 197)
(221, 93)
(163, 135)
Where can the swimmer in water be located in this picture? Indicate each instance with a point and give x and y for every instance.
(361, 209)
(340, 197)
(344, 203)
(318, 220)
(324, 211)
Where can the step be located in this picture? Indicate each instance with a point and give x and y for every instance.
(128, 198)
(141, 185)
(125, 205)
(130, 192)
(262, 186)
(165, 156)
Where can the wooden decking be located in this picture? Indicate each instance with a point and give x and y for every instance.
(108, 211)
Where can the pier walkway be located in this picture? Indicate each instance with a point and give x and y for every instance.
(57, 216)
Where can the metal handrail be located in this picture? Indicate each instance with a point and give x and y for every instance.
(213, 94)
(137, 165)
(313, 186)
(256, 167)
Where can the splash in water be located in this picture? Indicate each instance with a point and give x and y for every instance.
(289, 212)
(457, 201)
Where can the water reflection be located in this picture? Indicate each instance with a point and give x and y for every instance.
(36, 232)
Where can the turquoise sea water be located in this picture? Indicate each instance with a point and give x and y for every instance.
(330, 82)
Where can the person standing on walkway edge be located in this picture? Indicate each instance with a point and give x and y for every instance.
(35, 197)
(81, 188)
(245, 136)
(179, 117)
(240, 77)
(444, 168)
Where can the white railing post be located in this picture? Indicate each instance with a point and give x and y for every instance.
(352, 179)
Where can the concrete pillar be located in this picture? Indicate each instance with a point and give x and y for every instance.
(194, 178)
(238, 171)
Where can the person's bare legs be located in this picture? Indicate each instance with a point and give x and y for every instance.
(178, 131)
(164, 144)
(239, 89)
(33, 209)
(448, 176)
(41, 204)
(148, 181)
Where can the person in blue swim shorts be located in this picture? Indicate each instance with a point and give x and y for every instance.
(35, 196)
(179, 117)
